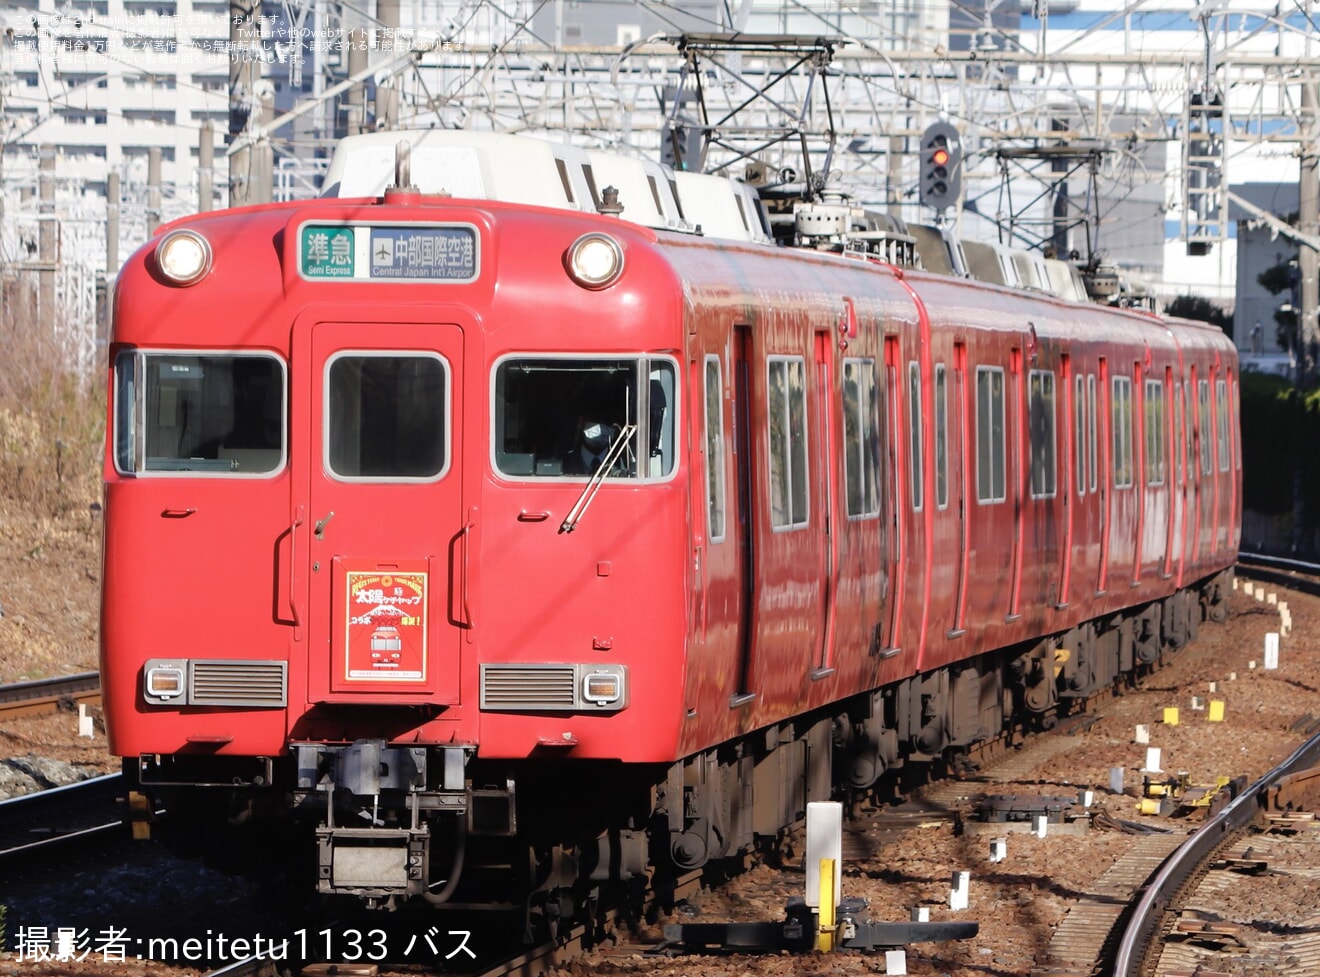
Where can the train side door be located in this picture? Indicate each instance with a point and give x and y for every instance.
(380, 540)
(959, 486)
(741, 525)
(1064, 485)
(1104, 442)
(827, 466)
(1171, 473)
(893, 413)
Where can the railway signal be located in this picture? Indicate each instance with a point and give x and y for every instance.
(941, 165)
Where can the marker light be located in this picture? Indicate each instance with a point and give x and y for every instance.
(602, 687)
(164, 683)
(594, 261)
(183, 256)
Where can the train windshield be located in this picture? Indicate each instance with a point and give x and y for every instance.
(199, 413)
(556, 417)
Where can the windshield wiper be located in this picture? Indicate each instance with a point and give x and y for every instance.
(589, 490)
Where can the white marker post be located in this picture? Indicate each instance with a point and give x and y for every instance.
(1272, 650)
(824, 862)
(958, 895)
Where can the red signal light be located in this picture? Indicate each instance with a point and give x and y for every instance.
(940, 157)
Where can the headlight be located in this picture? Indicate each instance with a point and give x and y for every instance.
(164, 682)
(602, 688)
(183, 256)
(594, 260)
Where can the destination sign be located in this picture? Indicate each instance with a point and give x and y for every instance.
(391, 252)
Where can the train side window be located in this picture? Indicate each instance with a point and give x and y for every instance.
(787, 391)
(1221, 423)
(1202, 423)
(1188, 432)
(1092, 462)
(219, 413)
(1179, 417)
(1122, 424)
(557, 417)
(941, 436)
(714, 450)
(386, 416)
(914, 433)
(861, 440)
(990, 470)
(1042, 418)
(1155, 453)
(1079, 431)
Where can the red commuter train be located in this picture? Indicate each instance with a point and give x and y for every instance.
(493, 551)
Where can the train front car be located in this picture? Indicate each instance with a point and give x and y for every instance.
(395, 536)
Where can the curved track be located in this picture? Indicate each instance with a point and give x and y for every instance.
(1190, 859)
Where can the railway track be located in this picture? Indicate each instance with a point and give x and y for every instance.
(1153, 915)
(49, 694)
(36, 823)
(1281, 571)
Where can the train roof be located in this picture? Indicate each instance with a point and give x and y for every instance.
(524, 169)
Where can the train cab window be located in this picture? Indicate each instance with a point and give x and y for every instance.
(562, 417)
(714, 449)
(861, 438)
(1122, 423)
(387, 416)
(941, 436)
(1203, 423)
(1221, 423)
(1042, 418)
(990, 460)
(914, 433)
(786, 386)
(199, 413)
(1155, 436)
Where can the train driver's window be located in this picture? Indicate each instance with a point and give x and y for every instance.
(217, 413)
(563, 417)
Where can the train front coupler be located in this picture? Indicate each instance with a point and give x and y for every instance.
(379, 809)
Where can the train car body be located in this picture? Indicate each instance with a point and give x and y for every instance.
(453, 532)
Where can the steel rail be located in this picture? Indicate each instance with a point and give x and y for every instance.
(45, 695)
(1281, 571)
(26, 813)
(1183, 864)
(251, 967)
